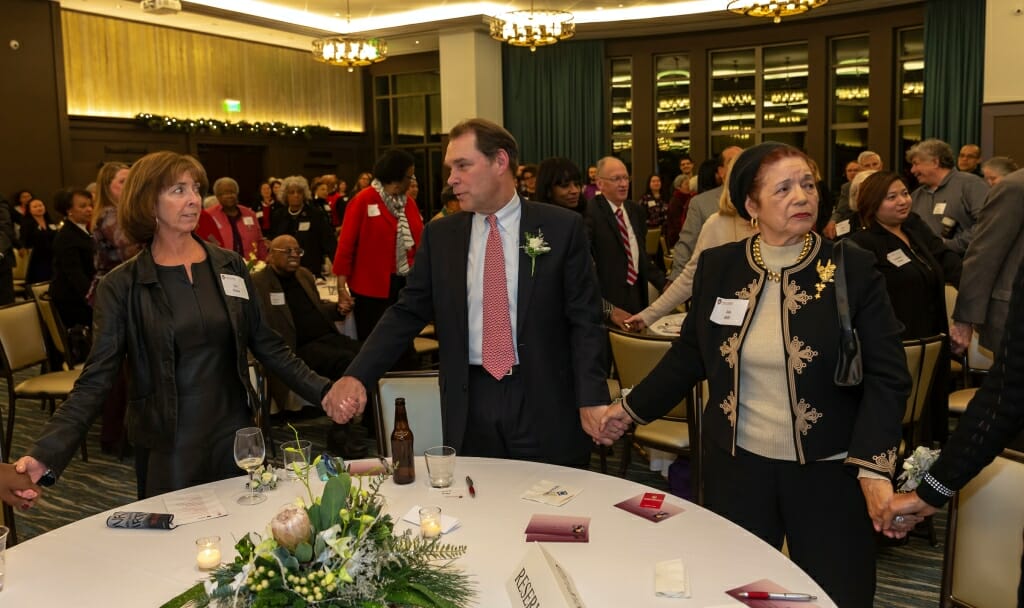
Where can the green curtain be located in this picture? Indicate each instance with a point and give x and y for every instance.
(954, 51)
(554, 101)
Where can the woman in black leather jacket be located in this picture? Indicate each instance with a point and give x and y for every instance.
(181, 314)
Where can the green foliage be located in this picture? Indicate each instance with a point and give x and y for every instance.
(304, 552)
(334, 498)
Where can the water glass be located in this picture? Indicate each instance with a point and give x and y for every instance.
(249, 454)
(440, 465)
(297, 455)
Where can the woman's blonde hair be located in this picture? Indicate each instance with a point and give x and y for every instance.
(147, 180)
(105, 177)
(725, 206)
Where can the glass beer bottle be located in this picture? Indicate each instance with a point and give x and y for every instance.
(401, 446)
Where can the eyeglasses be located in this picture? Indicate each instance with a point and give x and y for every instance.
(296, 251)
(618, 179)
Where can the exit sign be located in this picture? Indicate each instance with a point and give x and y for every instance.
(232, 105)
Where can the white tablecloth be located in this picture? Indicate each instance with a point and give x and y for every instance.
(86, 564)
(669, 325)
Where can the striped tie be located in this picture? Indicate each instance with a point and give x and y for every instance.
(498, 354)
(624, 233)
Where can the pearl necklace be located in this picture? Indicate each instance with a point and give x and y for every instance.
(772, 275)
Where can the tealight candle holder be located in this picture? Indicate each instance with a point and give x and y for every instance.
(430, 522)
(208, 552)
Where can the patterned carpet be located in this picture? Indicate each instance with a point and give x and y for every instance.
(908, 575)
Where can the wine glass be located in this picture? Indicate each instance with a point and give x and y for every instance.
(249, 453)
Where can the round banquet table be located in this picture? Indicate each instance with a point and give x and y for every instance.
(86, 564)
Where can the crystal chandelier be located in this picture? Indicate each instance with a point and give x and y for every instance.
(776, 9)
(533, 28)
(349, 52)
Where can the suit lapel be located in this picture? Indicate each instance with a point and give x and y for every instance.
(528, 222)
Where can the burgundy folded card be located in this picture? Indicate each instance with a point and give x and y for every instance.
(558, 529)
(651, 506)
(137, 520)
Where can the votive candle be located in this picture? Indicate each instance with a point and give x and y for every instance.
(430, 522)
(208, 556)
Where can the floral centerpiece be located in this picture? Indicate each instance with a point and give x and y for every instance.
(338, 550)
(252, 262)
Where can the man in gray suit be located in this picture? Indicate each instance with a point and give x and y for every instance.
(990, 265)
(948, 200)
(701, 208)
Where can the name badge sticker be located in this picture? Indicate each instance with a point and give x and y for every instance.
(897, 258)
(248, 221)
(234, 285)
(939, 209)
(729, 311)
(372, 210)
(303, 226)
(277, 298)
(842, 227)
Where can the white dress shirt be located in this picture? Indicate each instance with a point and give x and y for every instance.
(508, 224)
(634, 248)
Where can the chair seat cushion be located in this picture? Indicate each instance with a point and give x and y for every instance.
(665, 435)
(425, 345)
(958, 400)
(54, 384)
(956, 367)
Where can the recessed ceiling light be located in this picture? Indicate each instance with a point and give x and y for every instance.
(337, 14)
(417, 42)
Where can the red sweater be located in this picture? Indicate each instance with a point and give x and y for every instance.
(366, 245)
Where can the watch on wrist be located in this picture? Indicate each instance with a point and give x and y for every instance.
(48, 479)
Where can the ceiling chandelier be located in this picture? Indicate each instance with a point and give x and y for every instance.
(533, 28)
(776, 9)
(349, 52)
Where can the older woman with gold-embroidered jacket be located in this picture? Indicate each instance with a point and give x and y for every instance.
(788, 454)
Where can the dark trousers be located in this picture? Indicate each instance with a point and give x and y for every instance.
(368, 312)
(817, 507)
(498, 427)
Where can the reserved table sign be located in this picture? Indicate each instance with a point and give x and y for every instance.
(540, 581)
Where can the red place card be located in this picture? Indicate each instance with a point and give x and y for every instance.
(650, 506)
(652, 500)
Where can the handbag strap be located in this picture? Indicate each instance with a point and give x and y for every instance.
(842, 301)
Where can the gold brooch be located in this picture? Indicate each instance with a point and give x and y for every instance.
(826, 273)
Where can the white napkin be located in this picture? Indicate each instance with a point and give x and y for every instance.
(670, 579)
(448, 523)
(551, 493)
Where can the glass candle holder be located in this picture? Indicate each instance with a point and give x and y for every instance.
(208, 552)
(430, 522)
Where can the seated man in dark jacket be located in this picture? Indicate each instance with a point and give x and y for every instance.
(292, 307)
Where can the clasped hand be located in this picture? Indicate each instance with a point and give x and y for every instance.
(346, 399)
(605, 423)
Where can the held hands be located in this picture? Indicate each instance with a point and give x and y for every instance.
(634, 324)
(909, 504)
(960, 337)
(619, 318)
(593, 420)
(346, 399)
(17, 482)
(879, 496)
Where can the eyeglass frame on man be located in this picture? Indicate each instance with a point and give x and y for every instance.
(297, 251)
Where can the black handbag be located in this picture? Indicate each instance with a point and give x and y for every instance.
(849, 367)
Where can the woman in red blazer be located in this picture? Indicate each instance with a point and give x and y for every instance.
(378, 241)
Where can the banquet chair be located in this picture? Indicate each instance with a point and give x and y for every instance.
(422, 395)
(427, 350)
(977, 362)
(635, 356)
(7, 512)
(981, 566)
(922, 360)
(54, 327)
(653, 241)
(955, 363)
(22, 346)
(20, 271)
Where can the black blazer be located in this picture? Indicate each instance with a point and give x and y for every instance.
(916, 288)
(73, 270)
(558, 329)
(317, 239)
(609, 253)
(863, 421)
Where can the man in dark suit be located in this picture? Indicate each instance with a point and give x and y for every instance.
(617, 229)
(501, 268)
(292, 308)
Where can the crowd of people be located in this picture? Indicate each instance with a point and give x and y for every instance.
(521, 272)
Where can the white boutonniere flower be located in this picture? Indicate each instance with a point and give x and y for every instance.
(535, 246)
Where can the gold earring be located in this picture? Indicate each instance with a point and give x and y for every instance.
(753, 222)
